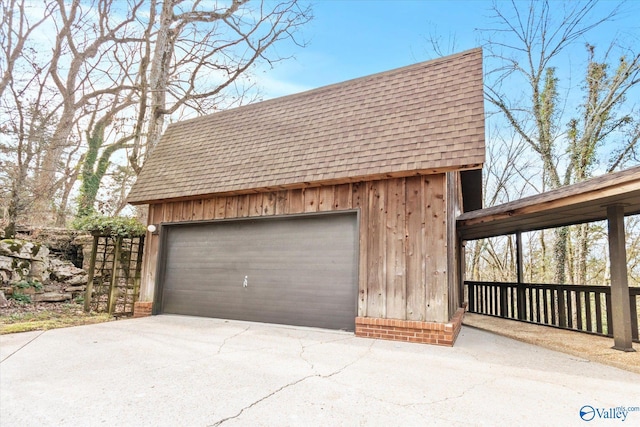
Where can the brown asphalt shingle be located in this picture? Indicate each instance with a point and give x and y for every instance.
(424, 117)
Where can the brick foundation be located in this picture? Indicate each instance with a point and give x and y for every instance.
(410, 330)
(142, 308)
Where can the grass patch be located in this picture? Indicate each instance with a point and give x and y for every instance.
(49, 319)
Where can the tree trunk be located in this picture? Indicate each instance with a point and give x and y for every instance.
(61, 212)
(560, 255)
(582, 252)
(159, 75)
(12, 211)
(543, 255)
(475, 261)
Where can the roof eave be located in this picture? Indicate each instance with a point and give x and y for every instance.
(299, 185)
(575, 204)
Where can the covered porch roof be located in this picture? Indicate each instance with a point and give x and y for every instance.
(573, 204)
(609, 197)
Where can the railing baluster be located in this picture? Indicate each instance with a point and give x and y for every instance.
(492, 300)
(485, 304)
(562, 311)
(587, 307)
(492, 291)
(598, 302)
(487, 299)
(528, 309)
(609, 314)
(538, 306)
(554, 306)
(532, 304)
(578, 311)
(545, 297)
(569, 309)
(484, 299)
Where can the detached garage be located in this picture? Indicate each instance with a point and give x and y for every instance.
(331, 208)
(299, 270)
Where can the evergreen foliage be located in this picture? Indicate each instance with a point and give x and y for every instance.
(112, 226)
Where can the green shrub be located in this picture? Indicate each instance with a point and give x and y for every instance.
(112, 226)
(14, 245)
(25, 284)
(21, 298)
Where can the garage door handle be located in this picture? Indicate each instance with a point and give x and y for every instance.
(246, 281)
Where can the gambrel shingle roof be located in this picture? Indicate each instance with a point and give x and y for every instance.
(423, 118)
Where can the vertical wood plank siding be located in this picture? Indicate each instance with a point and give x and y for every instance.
(149, 262)
(454, 204)
(405, 235)
(435, 252)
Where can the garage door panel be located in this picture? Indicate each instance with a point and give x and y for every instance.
(272, 310)
(300, 271)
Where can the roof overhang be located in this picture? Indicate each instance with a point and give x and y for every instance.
(575, 204)
(475, 201)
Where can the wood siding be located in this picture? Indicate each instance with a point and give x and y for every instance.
(454, 250)
(405, 266)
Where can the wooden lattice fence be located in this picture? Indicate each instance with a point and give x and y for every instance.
(114, 274)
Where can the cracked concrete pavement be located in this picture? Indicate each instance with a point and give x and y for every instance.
(188, 371)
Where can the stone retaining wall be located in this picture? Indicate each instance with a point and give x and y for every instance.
(31, 272)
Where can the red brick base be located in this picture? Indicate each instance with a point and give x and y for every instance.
(142, 308)
(410, 330)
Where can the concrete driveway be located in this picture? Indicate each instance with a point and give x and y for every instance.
(187, 371)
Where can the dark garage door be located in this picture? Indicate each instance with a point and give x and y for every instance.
(290, 270)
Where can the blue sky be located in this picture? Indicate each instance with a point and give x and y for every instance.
(349, 39)
(354, 38)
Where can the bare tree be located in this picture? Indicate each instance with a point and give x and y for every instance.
(15, 29)
(506, 177)
(79, 66)
(27, 127)
(199, 54)
(600, 117)
(632, 227)
(26, 109)
(523, 47)
(108, 76)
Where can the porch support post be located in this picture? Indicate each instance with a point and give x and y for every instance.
(462, 265)
(522, 298)
(621, 313)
